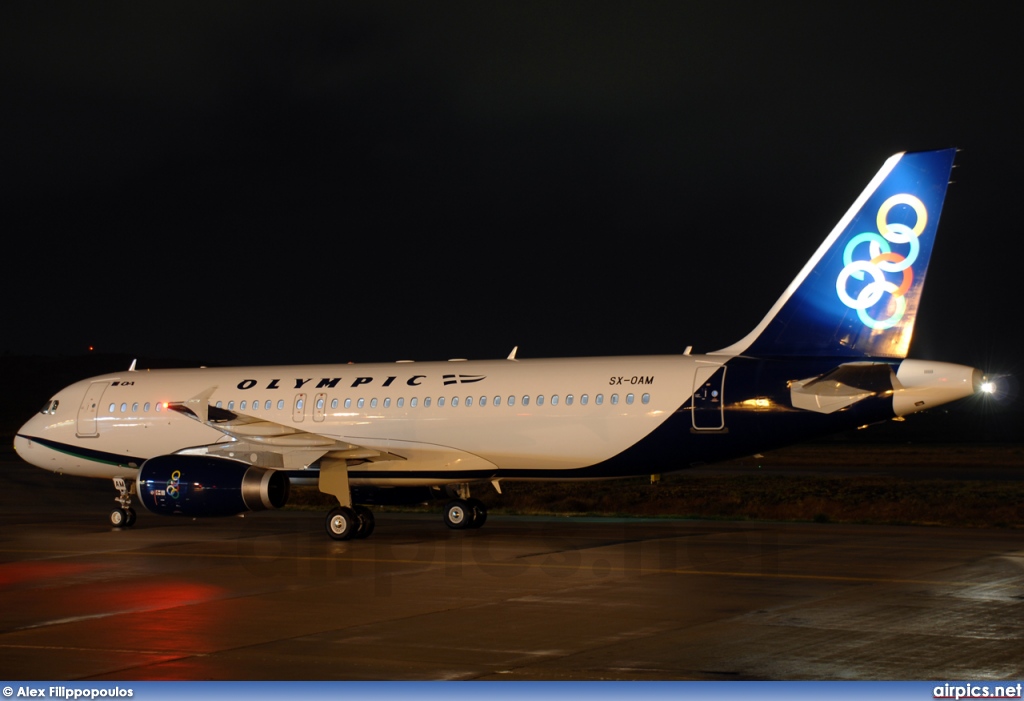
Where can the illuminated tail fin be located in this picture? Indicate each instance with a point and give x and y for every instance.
(858, 295)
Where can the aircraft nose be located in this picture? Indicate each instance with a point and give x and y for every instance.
(23, 447)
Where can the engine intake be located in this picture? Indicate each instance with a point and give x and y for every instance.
(201, 485)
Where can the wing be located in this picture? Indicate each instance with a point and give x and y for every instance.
(267, 443)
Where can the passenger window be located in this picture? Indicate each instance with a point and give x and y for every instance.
(526, 400)
(615, 399)
(629, 398)
(584, 399)
(112, 407)
(320, 403)
(348, 402)
(135, 408)
(145, 407)
(219, 405)
(124, 406)
(159, 406)
(440, 401)
(455, 401)
(241, 407)
(401, 402)
(413, 402)
(426, 402)
(387, 402)
(540, 400)
(360, 402)
(568, 400)
(554, 400)
(280, 404)
(334, 403)
(645, 398)
(497, 401)
(599, 399)
(483, 400)
(469, 401)
(511, 400)
(373, 403)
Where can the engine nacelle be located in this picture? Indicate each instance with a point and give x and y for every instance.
(202, 485)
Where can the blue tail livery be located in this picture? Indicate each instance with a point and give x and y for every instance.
(858, 295)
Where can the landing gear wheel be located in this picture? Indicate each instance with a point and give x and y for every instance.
(366, 522)
(124, 515)
(342, 523)
(458, 514)
(479, 513)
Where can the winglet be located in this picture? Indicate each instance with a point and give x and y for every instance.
(198, 406)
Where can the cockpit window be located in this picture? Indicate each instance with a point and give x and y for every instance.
(50, 407)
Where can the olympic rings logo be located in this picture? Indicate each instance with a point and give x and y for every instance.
(173, 490)
(881, 260)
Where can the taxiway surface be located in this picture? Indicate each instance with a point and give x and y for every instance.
(270, 596)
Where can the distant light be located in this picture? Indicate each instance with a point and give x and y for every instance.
(988, 387)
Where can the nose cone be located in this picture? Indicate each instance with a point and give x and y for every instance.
(33, 440)
(27, 450)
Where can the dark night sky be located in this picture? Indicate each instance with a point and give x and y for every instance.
(274, 182)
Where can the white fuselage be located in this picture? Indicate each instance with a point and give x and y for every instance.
(455, 415)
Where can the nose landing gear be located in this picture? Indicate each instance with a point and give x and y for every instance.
(124, 515)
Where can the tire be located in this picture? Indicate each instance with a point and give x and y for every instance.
(341, 523)
(458, 514)
(118, 518)
(479, 513)
(366, 522)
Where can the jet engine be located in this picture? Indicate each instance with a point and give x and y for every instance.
(202, 485)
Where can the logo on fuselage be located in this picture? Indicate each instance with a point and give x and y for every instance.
(891, 272)
(333, 382)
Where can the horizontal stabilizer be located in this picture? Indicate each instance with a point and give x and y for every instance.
(843, 386)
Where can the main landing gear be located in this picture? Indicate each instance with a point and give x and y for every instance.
(347, 522)
(465, 513)
(356, 522)
(124, 515)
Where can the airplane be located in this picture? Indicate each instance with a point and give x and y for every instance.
(830, 355)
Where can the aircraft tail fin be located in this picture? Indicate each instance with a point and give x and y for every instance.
(858, 295)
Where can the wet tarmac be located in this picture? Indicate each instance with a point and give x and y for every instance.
(270, 596)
